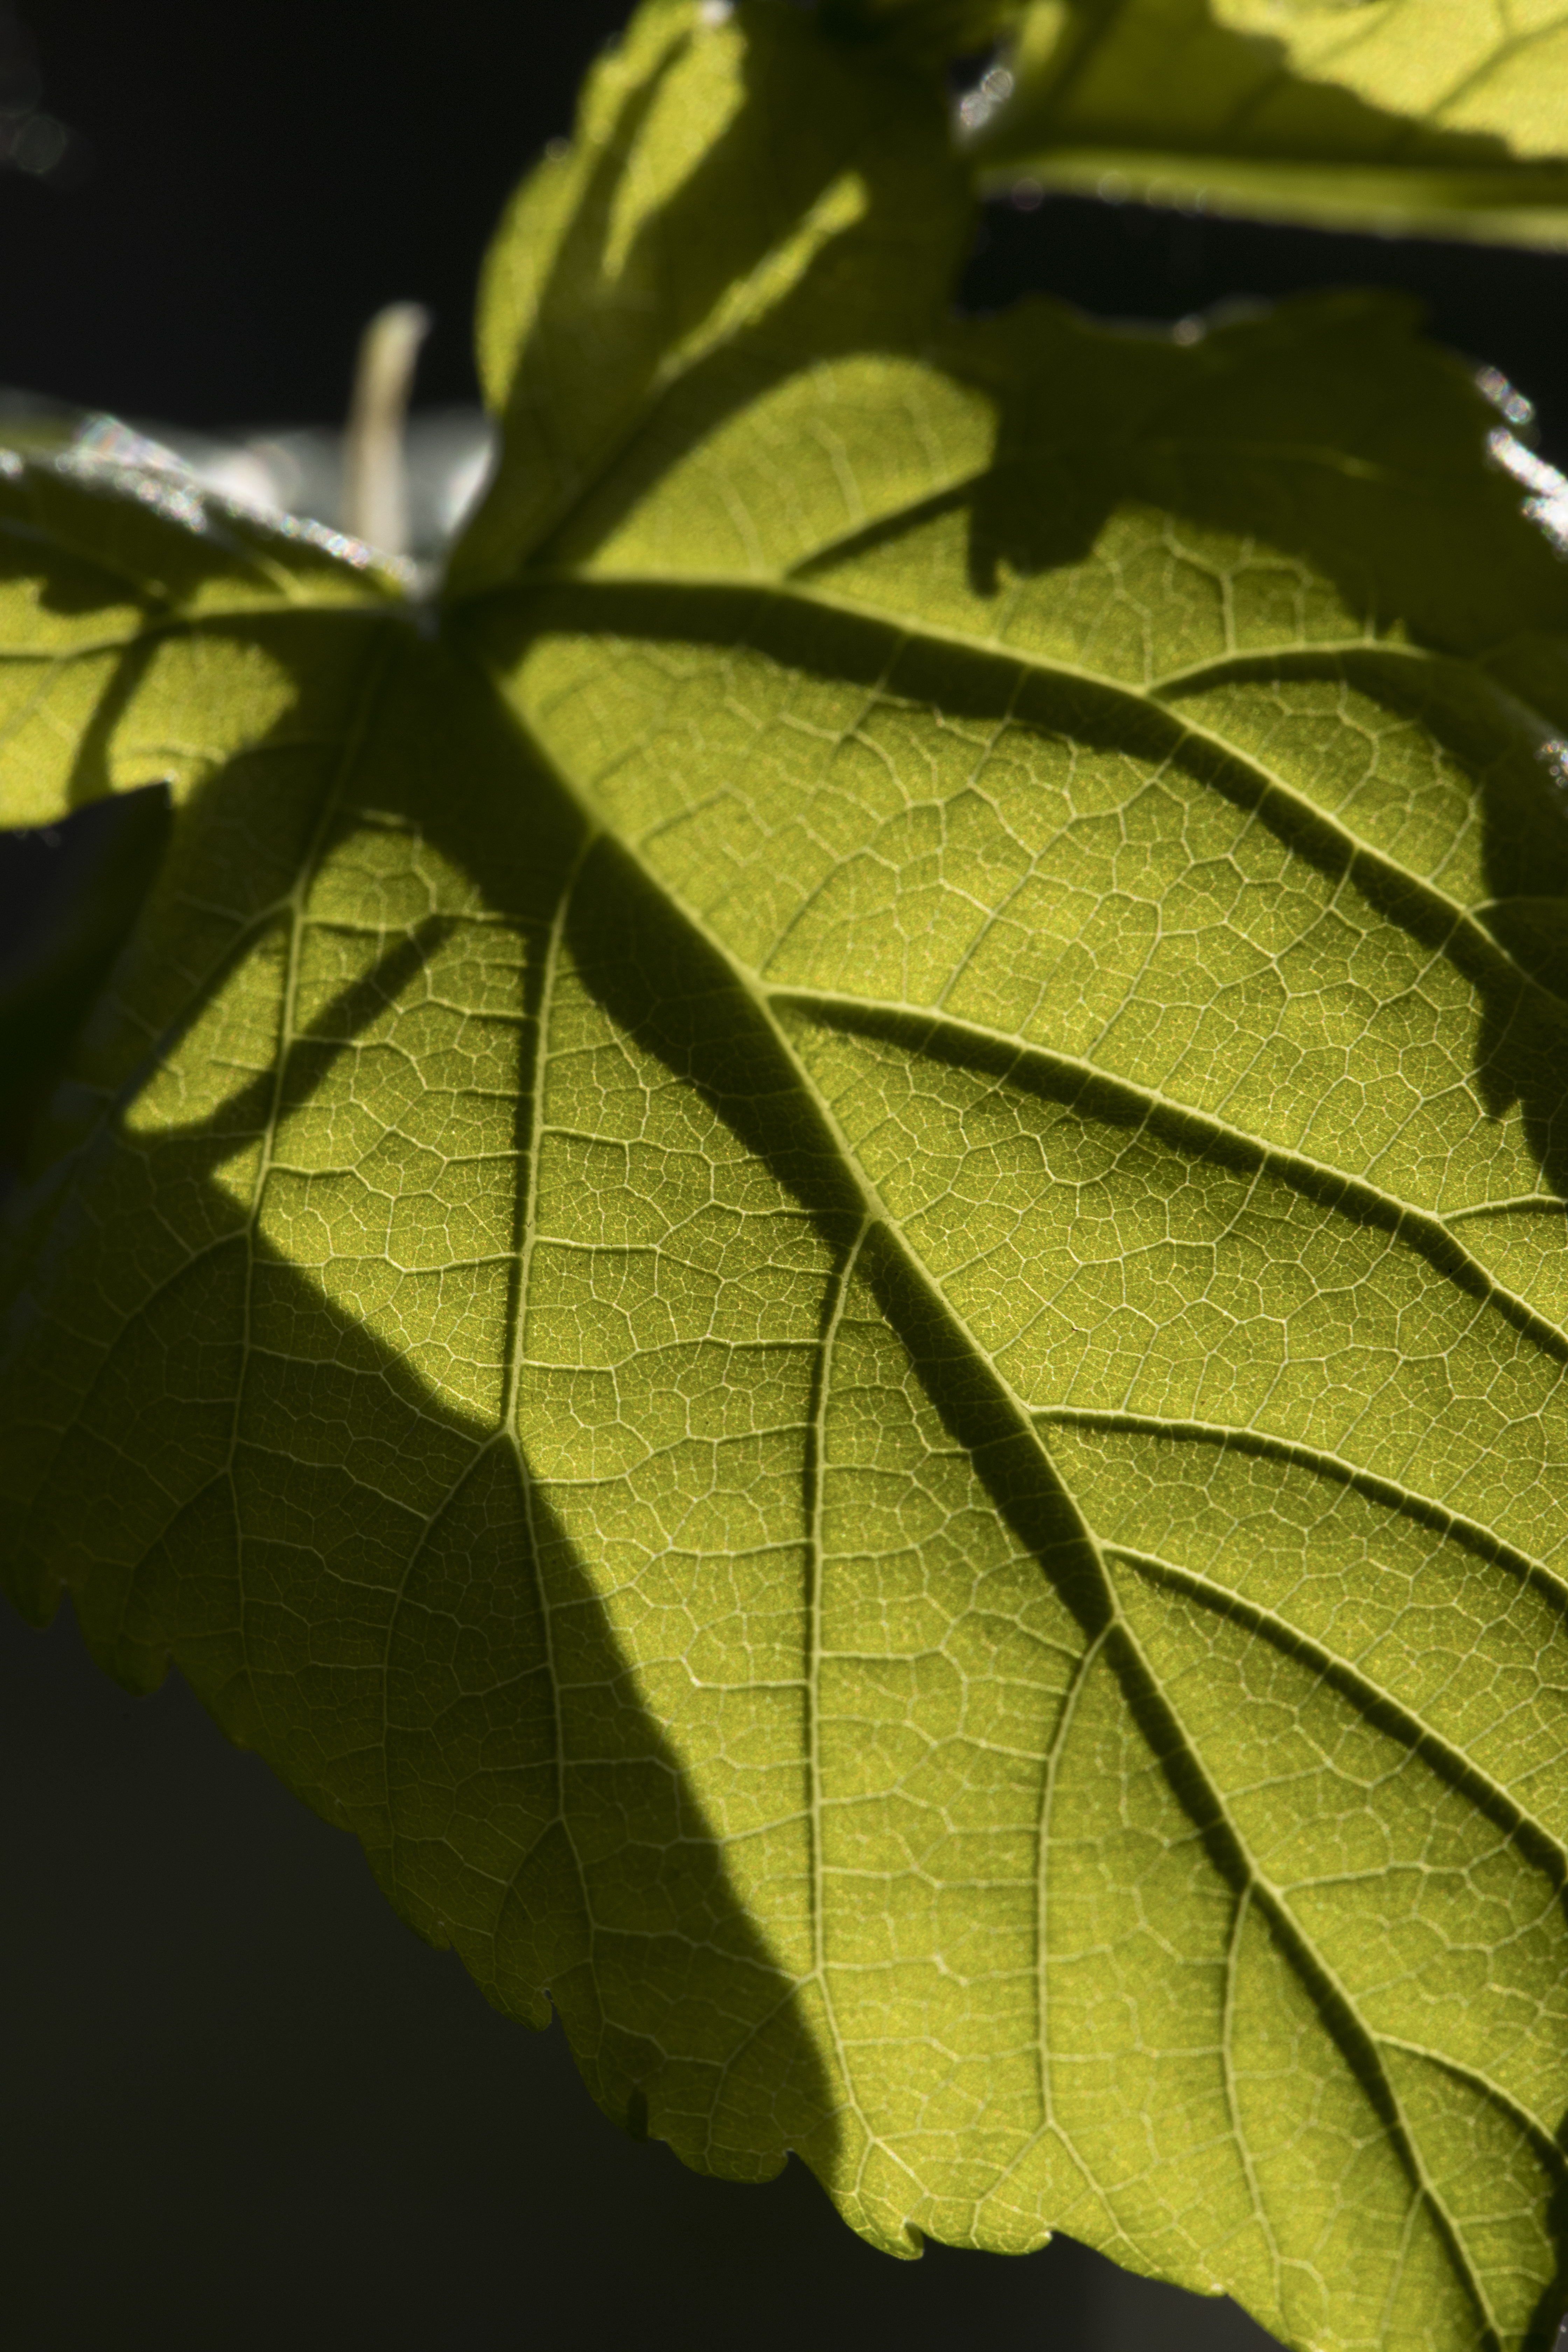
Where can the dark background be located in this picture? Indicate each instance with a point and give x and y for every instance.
(243, 2106)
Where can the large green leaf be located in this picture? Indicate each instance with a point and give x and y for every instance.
(1448, 116)
(824, 1256)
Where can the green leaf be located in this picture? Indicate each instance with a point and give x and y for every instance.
(825, 1257)
(132, 660)
(757, 199)
(1448, 117)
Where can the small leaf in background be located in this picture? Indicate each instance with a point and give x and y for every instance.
(1449, 119)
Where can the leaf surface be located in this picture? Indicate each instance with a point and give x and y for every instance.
(827, 1261)
(1444, 116)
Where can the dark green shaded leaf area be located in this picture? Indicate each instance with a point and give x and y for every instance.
(818, 1246)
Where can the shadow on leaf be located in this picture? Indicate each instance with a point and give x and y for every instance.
(232, 1469)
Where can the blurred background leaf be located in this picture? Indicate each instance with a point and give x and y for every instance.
(1442, 117)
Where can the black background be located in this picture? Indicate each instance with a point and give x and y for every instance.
(243, 2106)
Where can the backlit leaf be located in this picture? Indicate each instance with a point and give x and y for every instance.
(1448, 116)
(821, 1249)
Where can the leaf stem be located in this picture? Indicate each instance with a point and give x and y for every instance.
(375, 492)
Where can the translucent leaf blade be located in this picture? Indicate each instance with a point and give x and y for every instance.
(827, 1264)
(1451, 120)
(1178, 1244)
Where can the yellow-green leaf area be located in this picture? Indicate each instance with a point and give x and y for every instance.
(816, 1244)
(1445, 115)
